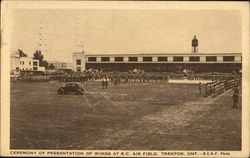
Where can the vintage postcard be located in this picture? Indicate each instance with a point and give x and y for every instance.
(124, 79)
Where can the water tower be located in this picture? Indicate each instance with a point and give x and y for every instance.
(195, 45)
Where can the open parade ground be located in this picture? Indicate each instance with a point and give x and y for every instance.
(129, 116)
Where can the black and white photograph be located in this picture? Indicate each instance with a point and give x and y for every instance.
(125, 79)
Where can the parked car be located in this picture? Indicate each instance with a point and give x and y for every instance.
(71, 88)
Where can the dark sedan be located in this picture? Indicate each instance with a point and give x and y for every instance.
(71, 88)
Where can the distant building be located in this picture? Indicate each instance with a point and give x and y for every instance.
(164, 62)
(28, 63)
(18, 64)
(62, 65)
(79, 61)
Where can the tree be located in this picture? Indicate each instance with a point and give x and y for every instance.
(38, 55)
(21, 53)
(51, 66)
(45, 64)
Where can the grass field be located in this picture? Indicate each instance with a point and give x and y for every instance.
(132, 116)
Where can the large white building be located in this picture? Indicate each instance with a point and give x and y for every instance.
(201, 62)
(18, 64)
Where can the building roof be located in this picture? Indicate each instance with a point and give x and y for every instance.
(167, 54)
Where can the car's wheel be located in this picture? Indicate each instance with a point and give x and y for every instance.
(60, 91)
(82, 91)
(76, 92)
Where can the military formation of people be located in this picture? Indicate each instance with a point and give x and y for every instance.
(116, 77)
(131, 76)
(221, 79)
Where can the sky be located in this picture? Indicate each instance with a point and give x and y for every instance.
(60, 32)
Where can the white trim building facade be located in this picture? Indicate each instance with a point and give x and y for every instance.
(158, 62)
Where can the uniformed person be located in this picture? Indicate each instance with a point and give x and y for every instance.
(106, 83)
(115, 81)
(103, 83)
(200, 87)
(126, 78)
(119, 79)
(236, 98)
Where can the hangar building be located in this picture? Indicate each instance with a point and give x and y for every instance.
(199, 62)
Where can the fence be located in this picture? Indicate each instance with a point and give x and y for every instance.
(216, 88)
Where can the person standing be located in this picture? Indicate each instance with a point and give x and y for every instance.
(106, 83)
(119, 80)
(200, 87)
(115, 81)
(103, 83)
(236, 98)
(126, 78)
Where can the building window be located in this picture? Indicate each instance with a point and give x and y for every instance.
(35, 63)
(30, 63)
(118, 58)
(78, 69)
(91, 58)
(162, 58)
(194, 58)
(23, 62)
(228, 58)
(63, 64)
(34, 68)
(78, 61)
(132, 59)
(104, 58)
(20, 62)
(178, 58)
(147, 59)
(211, 58)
